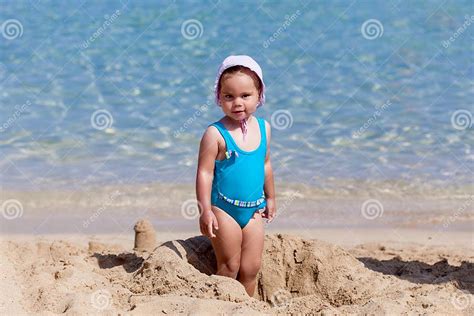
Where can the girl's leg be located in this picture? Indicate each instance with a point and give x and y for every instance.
(251, 253)
(227, 244)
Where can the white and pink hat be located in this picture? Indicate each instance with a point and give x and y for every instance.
(240, 60)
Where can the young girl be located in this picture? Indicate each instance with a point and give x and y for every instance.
(234, 179)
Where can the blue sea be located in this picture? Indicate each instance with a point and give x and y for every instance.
(120, 92)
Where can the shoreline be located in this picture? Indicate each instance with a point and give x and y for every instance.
(341, 237)
(119, 222)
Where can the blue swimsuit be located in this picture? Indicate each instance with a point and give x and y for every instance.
(237, 187)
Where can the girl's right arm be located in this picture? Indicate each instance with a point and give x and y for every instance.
(208, 151)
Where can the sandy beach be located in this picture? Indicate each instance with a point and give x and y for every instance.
(73, 252)
(324, 271)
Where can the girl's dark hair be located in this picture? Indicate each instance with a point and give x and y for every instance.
(245, 70)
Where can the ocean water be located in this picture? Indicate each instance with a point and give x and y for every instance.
(100, 93)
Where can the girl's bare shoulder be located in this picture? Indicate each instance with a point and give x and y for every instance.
(212, 137)
(268, 129)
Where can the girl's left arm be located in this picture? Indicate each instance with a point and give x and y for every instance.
(269, 187)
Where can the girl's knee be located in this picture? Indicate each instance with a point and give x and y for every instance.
(249, 270)
(229, 267)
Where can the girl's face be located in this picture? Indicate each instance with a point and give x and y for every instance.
(238, 96)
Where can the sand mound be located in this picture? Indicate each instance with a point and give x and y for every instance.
(175, 268)
(295, 268)
(297, 276)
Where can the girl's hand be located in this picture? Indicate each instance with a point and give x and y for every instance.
(270, 210)
(208, 222)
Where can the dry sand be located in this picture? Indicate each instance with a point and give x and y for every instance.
(80, 275)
